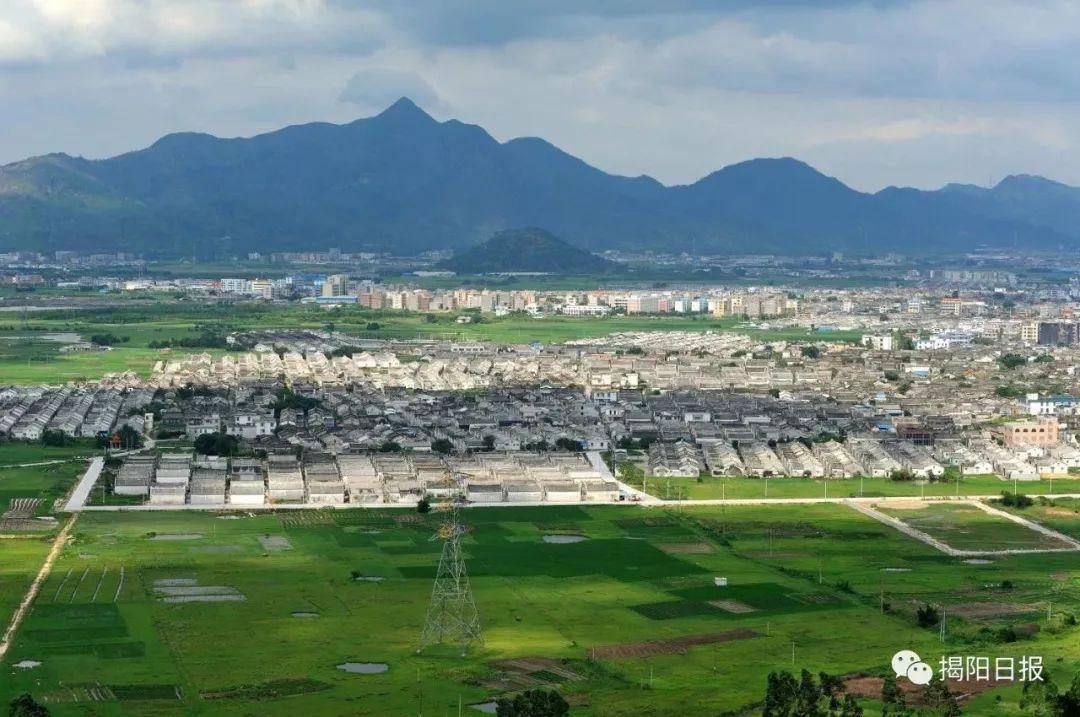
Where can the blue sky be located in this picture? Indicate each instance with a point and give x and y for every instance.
(875, 93)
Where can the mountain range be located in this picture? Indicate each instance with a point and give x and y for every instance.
(403, 182)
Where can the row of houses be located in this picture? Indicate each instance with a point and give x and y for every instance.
(326, 479)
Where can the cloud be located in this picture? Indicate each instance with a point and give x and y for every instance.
(377, 87)
(875, 92)
(58, 31)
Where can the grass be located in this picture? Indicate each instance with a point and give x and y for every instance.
(1061, 514)
(966, 527)
(46, 482)
(786, 487)
(47, 365)
(27, 357)
(813, 574)
(18, 452)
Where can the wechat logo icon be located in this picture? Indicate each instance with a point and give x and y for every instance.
(908, 664)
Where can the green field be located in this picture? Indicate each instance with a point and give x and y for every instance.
(1062, 514)
(27, 357)
(815, 576)
(709, 488)
(46, 482)
(13, 453)
(966, 527)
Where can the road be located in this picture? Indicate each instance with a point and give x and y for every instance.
(77, 501)
(597, 462)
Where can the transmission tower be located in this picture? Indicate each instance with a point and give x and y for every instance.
(452, 615)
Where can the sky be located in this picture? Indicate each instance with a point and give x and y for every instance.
(876, 93)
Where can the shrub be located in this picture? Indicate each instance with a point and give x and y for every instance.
(927, 616)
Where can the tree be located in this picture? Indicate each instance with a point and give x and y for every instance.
(936, 694)
(568, 444)
(780, 691)
(892, 698)
(850, 708)
(1039, 697)
(26, 706)
(1068, 703)
(216, 444)
(927, 616)
(442, 446)
(808, 697)
(54, 437)
(1011, 361)
(533, 703)
(423, 506)
(1016, 500)
(811, 351)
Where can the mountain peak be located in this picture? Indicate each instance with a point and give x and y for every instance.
(405, 109)
(1016, 181)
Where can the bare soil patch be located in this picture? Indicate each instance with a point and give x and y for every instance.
(526, 672)
(985, 610)
(274, 543)
(870, 688)
(686, 548)
(677, 645)
(733, 606)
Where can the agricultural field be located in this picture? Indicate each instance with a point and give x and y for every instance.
(30, 345)
(253, 614)
(709, 487)
(1060, 514)
(44, 483)
(966, 527)
(14, 453)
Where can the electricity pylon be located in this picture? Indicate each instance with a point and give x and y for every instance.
(452, 614)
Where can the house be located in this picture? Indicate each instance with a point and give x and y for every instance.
(672, 460)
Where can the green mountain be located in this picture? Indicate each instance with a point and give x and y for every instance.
(403, 182)
(527, 250)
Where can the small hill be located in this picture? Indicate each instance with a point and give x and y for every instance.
(526, 250)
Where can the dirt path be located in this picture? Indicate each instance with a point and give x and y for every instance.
(35, 587)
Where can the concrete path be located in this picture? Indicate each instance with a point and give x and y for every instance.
(78, 498)
(35, 587)
(912, 532)
(650, 502)
(637, 496)
(1037, 527)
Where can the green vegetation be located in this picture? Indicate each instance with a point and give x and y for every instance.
(1011, 361)
(533, 703)
(26, 706)
(966, 527)
(527, 250)
(217, 444)
(708, 487)
(627, 622)
(143, 334)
